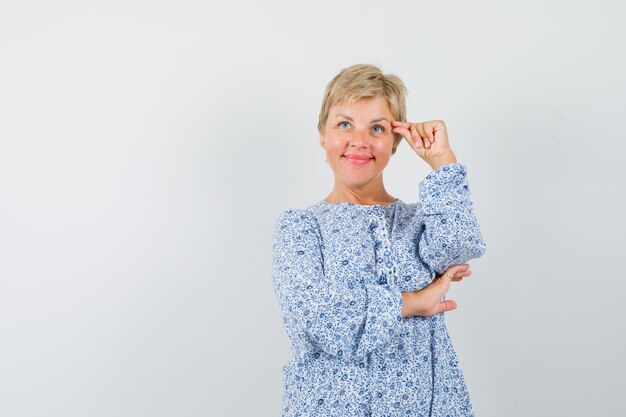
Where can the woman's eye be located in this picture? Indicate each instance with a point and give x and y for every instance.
(345, 125)
(378, 129)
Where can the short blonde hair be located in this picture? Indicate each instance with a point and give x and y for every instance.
(365, 81)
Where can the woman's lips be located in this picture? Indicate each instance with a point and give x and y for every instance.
(357, 159)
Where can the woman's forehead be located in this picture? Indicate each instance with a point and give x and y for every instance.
(366, 106)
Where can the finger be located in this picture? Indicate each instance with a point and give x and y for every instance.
(459, 276)
(446, 305)
(417, 139)
(457, 267)
(406, 134)
(462, 272)
(416, 145)
(419, 127)
(429, 131)
(457, 271)
(396, 123)
(442, 285)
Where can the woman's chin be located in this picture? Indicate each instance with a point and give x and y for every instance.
(353, 182)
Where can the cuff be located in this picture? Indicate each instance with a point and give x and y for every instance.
(443, 187)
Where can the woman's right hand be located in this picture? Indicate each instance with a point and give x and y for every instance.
(427, 301)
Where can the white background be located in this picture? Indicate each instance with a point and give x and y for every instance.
(147, 148)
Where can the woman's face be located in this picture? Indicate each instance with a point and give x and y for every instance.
(358, 140)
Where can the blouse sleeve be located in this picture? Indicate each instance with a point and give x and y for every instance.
(451, 232)
(325, 312)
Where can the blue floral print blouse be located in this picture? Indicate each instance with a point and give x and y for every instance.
(338, 273)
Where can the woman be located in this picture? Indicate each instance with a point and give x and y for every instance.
(360, 276)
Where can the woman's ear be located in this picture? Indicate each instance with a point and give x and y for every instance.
(322, 140)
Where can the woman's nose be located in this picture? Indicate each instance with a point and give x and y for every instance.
(359, 138)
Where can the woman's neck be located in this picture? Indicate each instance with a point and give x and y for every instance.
(362, 196)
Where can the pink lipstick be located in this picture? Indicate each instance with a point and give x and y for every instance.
(358, 159)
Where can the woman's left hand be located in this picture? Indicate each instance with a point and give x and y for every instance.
(428, 139)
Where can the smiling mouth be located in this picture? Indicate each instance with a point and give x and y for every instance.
(357, 160)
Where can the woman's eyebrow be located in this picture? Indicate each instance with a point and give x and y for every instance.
(373, 121)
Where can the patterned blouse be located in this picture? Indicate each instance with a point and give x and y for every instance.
(338, 273)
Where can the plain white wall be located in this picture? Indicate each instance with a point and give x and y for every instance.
(147, 148)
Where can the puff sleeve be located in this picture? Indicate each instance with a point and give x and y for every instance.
(326, 312)
(451, 234)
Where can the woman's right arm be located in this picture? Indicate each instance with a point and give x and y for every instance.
(341, 315)
(427, 301)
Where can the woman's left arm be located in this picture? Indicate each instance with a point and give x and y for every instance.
(451, 234)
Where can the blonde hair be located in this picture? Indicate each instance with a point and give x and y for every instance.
(365, 81)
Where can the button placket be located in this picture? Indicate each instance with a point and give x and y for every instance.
(385, 266)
